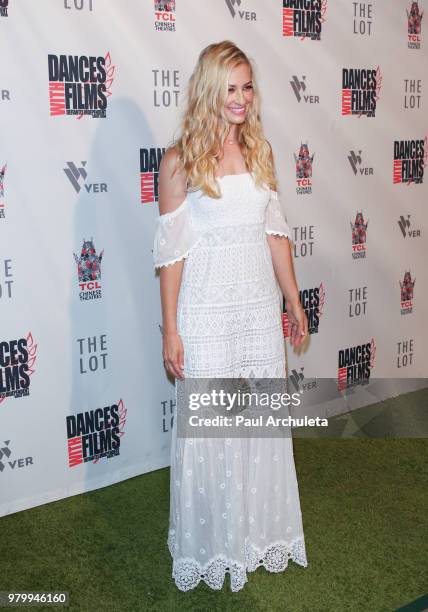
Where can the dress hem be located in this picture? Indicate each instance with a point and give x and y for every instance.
(170, 262)
(188, 573)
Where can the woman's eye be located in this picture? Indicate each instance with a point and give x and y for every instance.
(231, 89)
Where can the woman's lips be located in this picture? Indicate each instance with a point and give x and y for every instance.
(237, 111)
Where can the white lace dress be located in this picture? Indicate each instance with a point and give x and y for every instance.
(234, 502)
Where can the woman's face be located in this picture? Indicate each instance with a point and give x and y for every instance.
(240, 94)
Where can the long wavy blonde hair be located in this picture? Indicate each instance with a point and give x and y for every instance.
(204, 125)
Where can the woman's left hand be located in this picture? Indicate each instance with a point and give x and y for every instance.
(298, 324)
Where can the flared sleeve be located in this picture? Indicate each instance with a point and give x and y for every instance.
(175, 236)
(275, 220)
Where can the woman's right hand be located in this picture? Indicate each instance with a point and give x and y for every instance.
(173, 354)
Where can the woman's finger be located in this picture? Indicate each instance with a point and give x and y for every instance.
(176, 369)
(176, 364)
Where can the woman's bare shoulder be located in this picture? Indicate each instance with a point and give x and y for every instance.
(172, 186)
(169, 158)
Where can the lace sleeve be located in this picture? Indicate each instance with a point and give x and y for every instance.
(275, 221)
(174, 236)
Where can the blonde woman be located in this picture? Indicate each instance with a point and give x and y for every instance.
(222, 248)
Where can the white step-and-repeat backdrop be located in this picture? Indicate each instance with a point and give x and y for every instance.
(91, 93)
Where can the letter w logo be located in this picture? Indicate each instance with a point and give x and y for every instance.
(404, 224)
(230, 5)
(298, 86)
(355, 160)
(75, 174)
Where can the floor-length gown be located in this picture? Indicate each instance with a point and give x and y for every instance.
(234, 502)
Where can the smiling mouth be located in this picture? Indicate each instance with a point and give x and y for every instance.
(240, 110)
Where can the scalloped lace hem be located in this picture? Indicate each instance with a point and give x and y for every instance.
(276, 233)
(188, 573)
(173, 261)
(183, 256)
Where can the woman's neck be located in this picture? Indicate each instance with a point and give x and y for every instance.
(232, 136)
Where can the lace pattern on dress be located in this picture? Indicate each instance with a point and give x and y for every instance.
(275, 221)
(229, 316)
(175, 236)
(188, 573)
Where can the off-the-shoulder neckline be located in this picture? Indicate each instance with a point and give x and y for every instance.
(185, 202)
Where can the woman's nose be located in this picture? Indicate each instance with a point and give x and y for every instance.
(239, 96)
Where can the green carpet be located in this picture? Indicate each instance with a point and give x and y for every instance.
(405, 416)
(363, 501)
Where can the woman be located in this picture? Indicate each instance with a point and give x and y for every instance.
(222, 247)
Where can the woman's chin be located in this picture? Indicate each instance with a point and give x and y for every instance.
(235, 118)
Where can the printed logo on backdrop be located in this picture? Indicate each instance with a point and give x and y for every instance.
(359, 236)
(357, 302)
(92, 354)
(165, 15)
(4, 4)
(150, 159)
(303, 19)
(6, 279)
(2, 191)
(406, 293)
(412, 94)
(303, 241)
(79, 5)
(17, 358)
(363, 18)
(233, 6)
(414, 22)
(304, 164)
(167, 407)
(166, 87)
(299, 88)
(95, 434)
(299, 382)
(405, 352)
(360, 91)
(356, 162)
(79, 85)
(77, 176)
(89, 271)
(410, 159)
(8, 462)
(406, 231)
(355, 364)
(312, 301)
(4, 95)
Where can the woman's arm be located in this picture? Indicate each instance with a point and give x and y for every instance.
(283, 265)
(172, 192)
(284, 271)
(282, 261)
